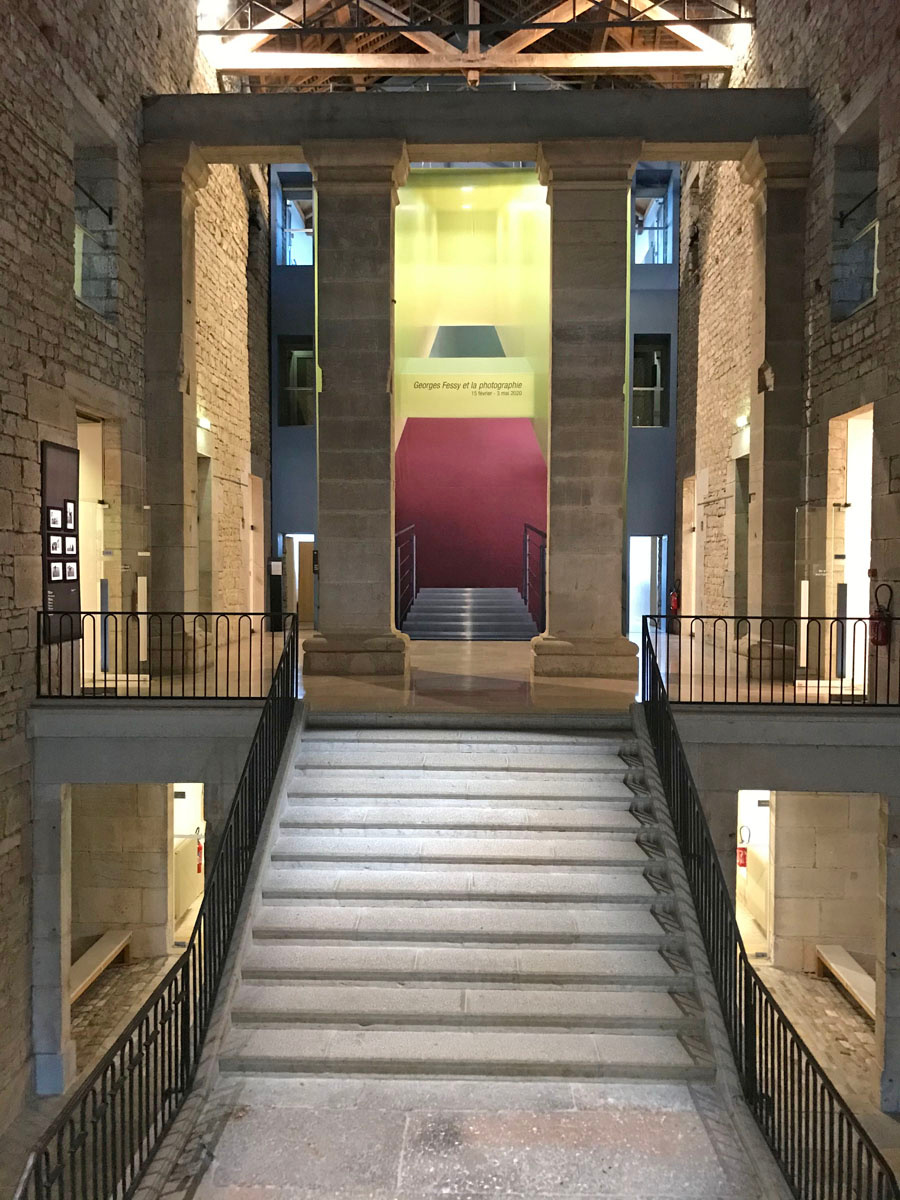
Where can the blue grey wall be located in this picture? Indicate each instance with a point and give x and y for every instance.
(292, 314)
(650, 503)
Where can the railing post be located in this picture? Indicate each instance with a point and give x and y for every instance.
(542, 575)
(525, 564)
(415, 587)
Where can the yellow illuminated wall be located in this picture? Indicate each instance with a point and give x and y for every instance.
(473, 248)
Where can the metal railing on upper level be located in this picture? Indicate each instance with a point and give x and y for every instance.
(534, 574)
(98, 1147)
(823, 1151)
(159, 655)
(776, 660)
(405, 581)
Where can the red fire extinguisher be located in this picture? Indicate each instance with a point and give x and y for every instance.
(675, 599)
(880, 618)
(199, 852)
(743, 842)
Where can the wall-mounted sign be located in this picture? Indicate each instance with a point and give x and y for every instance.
(59, 508)
(465, 387)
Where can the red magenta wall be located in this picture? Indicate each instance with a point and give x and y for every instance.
(469, 485)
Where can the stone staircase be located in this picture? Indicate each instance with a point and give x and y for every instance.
(469, 615)
(465, 903)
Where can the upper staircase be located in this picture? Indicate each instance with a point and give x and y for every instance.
(465, 903)
(468, 615)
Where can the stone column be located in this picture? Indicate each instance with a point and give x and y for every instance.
(51, 947)
(777, 169)
(172, 175)
(356, 190)
(588, 192)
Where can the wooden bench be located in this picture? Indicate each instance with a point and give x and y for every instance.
(106, 949)
(844, 968)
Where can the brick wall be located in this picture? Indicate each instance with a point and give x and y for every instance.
(843, 61)
(70, 73)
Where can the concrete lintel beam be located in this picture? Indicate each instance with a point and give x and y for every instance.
(697, 121)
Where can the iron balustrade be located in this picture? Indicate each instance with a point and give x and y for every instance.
(534, 574)
(406, 586)
(100, 1144)
(776, 660)
(159, 655)
(820, 1146)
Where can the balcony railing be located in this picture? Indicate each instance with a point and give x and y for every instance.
(406, 586)
(822, 1149)
(100, 1144)
(534, 574)
(159, 655)
(777, 660)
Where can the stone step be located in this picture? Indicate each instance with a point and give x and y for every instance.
(471, 637)
(460, 1053)
(621, 924)
(297, 802)
(471, 761)
(462, 738)
(339, 1006)
(619, 967)
(486, 821)
(510, 785)
(589, 850)
(512, 886)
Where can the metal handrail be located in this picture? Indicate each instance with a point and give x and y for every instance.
(820, 1146)
(777, 660)
(534, 574)
(406, 586)
(102, 1141)
(159, 655)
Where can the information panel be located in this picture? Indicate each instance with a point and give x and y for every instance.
(59, 535)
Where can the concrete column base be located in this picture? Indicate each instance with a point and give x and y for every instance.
(602, 658)
(356, 654)
(55, 1073)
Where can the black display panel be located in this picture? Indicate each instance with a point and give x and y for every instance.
(59, 537)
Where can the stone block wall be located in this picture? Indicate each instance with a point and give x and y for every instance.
(122, 846)
(824, 876)
(74, 78)
(848, 65)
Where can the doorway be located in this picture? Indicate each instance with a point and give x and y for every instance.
(471, 403)
(647, 582)
(689, 546)
(741, 533)
(188, 857)
(204, 534)
(858, 514)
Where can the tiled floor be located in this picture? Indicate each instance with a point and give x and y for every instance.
(839, 1035)
(100, 1014)
(358, 1139)
(468, 677)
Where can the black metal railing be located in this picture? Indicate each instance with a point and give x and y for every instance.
(823, 1151)
(159, 655)
(98, 1147)
(776, 660)
(534, 574)
(405, 583)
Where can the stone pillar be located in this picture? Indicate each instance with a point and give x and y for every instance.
(356, 190)
(54, 1050)
(172, 175)
(588, 192)
(777, 169)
